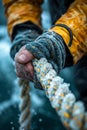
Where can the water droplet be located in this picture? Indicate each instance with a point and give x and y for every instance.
(12, 128)
(11, 123)
(40, 119)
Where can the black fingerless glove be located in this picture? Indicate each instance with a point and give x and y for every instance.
(22, 34)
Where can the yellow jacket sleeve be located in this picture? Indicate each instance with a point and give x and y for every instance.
(19, 11)
(76, 19)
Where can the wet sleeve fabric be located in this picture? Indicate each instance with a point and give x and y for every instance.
(76, 19)
(20, 11)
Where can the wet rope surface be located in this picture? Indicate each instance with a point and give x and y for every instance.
(72, 113)
(24, 107)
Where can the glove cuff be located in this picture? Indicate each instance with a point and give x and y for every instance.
(23, 34)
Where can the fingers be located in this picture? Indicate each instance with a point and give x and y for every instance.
(19, 70)
(29, 68)
(23, 56)
(24, 72)
(23, 64)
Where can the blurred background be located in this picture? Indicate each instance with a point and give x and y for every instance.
(44, 116)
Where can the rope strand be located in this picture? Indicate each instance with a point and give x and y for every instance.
(71, 113)
(24, 107)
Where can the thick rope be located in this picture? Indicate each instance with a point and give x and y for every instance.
(22, 39)
(51, 46)
(72, 113)
(24, 107)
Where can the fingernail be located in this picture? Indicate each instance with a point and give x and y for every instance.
(22, 57)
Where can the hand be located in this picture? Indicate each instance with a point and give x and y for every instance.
(23, 64)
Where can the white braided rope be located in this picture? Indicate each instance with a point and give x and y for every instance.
(72, 113)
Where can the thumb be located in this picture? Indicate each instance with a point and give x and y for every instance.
(23, 57)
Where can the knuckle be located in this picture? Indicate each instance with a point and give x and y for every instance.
(16, 55)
